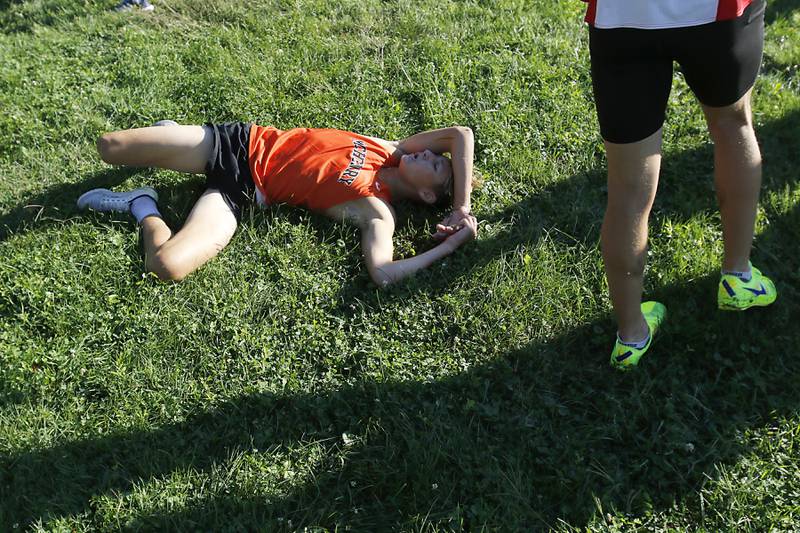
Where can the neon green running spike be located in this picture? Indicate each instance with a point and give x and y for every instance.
(626, 357)
(737, 295)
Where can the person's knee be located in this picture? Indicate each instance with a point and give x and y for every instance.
(631, 204)
(163, 265)
(728, 123)
(108, 146)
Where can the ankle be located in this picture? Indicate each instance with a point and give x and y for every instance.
(634, 334)
(745, 274)
(143, 207)
(738, 265)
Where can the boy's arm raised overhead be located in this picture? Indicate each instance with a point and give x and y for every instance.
(460, 143)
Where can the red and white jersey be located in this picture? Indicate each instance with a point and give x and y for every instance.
(657, 14)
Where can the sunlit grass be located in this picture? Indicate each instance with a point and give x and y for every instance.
(277, 388)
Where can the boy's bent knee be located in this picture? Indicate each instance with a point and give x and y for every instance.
(164, 267)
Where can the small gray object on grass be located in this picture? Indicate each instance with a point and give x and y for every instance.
(128, 5)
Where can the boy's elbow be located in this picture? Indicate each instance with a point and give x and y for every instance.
(465, 132)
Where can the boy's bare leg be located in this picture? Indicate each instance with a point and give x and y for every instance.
(632, 182)
(737, 175)
(181, 148)
(207, 230)
(211, 223)
(155, 233)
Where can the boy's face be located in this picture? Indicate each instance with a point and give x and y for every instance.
(426, 171)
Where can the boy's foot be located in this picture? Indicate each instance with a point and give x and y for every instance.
(127, 5)
(735, 294)
(624, 356)
(105, 200)
(166, 122)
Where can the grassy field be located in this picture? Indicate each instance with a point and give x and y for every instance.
(278, 389)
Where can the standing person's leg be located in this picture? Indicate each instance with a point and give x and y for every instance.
(737, 176)
(211, 223)
(722, 77)
(632, 182)
(631, 78)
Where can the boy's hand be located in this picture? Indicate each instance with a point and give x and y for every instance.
(452, 223)
(468, 231)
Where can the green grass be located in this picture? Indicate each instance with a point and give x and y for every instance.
(277, 388)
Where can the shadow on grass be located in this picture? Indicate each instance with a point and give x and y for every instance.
(6, 4)
(544, 433)
(541, 434)
(57, 203)
(787, 71)
(15, 18)
(779, 9)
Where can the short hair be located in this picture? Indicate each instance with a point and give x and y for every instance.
(446, 191)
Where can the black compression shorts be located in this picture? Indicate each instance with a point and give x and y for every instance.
(227, 168)
(632, 69)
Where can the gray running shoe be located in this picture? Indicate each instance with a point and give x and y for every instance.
(106, 200)
(166, 122)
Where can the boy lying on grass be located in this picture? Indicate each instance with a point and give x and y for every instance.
(343, 175)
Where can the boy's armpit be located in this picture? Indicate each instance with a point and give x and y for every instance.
(361, 211)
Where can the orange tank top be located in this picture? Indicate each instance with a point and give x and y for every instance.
(316, 168)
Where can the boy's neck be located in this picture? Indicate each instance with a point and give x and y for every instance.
(390, 176)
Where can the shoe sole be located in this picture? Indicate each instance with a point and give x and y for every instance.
(724, 307)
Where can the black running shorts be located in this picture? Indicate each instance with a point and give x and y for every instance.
(632, 69)
(227, 168)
